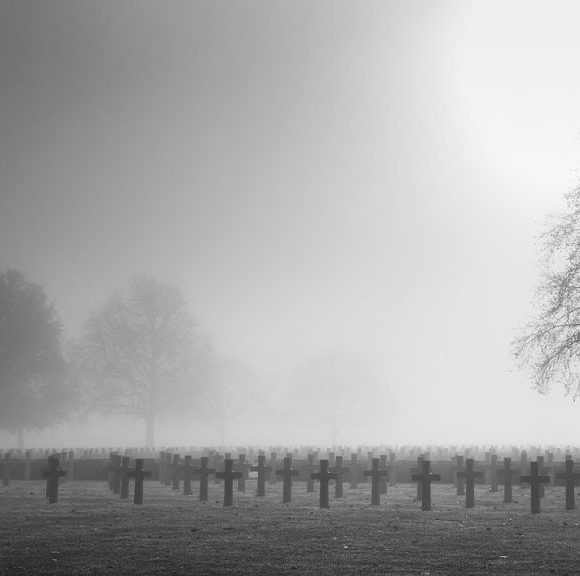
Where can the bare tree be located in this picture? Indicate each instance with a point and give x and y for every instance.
(142, 354)
(333, 390)
(550, 343)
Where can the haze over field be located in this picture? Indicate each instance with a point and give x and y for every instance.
(366, 177)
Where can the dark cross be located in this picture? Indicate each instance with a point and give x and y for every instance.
(507, 475)
(272, 465)
(175, 469)
(384, 479)
(354, 470)
(459, 481)
(376, 475)
(187, 473)
(139, 474)
(418, 470)
(339, 470)
(111, 469)
(116, 473)
(543, 470)
(324, 476)
(228, 476)
(426, 477)
(286, 473)
(493, 472)
(125, 477)
(243, 467)
(523, 462)
(569, 477)
(535, 481)
(167, 456)
(309, 468)
(52, 474)
(70, 466)
(161, 463)
(469, 474)
(203, 472)
(392, 469)
(6, 470)
(263, 472)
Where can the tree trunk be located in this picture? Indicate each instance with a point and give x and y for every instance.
(20, 437)
(149, 430)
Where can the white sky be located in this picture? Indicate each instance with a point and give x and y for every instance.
(314, 174)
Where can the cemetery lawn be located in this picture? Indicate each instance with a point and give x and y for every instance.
(91, 531)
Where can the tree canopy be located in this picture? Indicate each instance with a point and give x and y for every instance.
(550, 342)
(141, 353)
(34, 391)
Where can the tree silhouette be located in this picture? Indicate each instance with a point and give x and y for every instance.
(141, 354)
(550, 343)
(34, 390)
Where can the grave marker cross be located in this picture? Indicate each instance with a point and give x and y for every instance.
(286, 473)
(507, 474)
(263, 472)
(324, 476)
(52, 474)
(535, 480)
(139, 474)
(339, 470)
(569, 477)
(469, 474)
(187, 473)
(376, 475)
(228, 476)
(203, 471)
(426, 477)
(125, 477)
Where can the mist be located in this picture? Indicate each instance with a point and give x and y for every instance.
(359, 179)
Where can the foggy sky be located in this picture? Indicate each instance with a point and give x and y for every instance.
(314, 175)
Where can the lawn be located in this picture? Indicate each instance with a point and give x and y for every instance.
(91, 531)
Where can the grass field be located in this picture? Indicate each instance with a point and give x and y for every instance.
(91, 531)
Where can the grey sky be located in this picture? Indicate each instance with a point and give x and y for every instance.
(314, 174)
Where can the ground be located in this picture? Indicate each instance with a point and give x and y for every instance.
(91, 531)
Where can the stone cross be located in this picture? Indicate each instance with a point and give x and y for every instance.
(507, 475)
(376, 475)
(286, 474)
(125, 477)
(469, 475)
(354, 471)
(419, 470)
(339, 470)
(309, 468)
(228, 476)
(175, 469)
(263, 472)
(139, 474)
(52, 474)
(570, 478)
(243, 467)
(543, 470)
(459, 481)
(203, 472)
(426, 477)
(493, 472)
(535, 480)
(324, 476)
(187, 473)
(392, 469)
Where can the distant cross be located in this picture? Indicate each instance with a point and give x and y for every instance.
(376, 475)
(426, 477)
(167, 456)
(324, 476)
(570, 478)
(493, 472)
(535, 480)
(243, 467)
(125, 477)
(286, 474)
(111, 470)
(354, 471)
(543, 470)
(272, 465)
(383, 465)
(139, 474)
(203, 472)
(507, 475)
(309, 468)
(175, 468)
(524, 463)
(392, 469)
(52, 474)
(263, 472)
(187, 473)
(116, 473)
(228, 476)
(459, 481)
(419, 470)
(339, 470)
(469, 474)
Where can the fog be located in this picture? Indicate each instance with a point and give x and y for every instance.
(366, 178)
